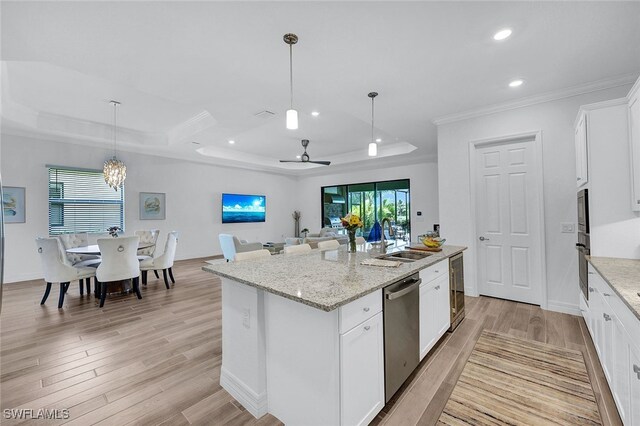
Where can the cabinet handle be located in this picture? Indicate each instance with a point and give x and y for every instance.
(578, 179)
(591, 273)
(591, 290)
(636, 370)
(367, 327)
(606, 294)
(366, 309)
(606, 317)
(436, 271)
(437, 287)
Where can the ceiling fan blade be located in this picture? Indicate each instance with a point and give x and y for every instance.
(290, 161)
(324, 163)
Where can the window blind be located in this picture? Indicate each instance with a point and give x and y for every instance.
(81, 201)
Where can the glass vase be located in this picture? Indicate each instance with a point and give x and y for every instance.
(352, 240)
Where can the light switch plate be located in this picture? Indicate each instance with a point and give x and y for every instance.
(568, 228)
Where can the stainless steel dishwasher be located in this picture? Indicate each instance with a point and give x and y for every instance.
(401, 332)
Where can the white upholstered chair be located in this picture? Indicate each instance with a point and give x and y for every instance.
(147, 237)
(57, 268)
(299, 249)
(119, 262)
(164, 261)
(328, 245)
(256, 254)
(230, 245)
(360, 240)
(81, 239)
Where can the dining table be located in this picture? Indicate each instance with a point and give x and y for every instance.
(95, 249)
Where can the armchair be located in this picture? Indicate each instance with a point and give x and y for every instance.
(230, 245)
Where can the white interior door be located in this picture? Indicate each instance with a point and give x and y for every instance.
(508, 222)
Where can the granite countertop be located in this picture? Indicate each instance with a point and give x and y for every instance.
(623, 275)
(324, 280)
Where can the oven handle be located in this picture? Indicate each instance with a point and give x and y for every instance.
(580, 245)
(406, 289)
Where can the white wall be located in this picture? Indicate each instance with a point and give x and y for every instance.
(192, 190)
(555, 119)
(424, 193)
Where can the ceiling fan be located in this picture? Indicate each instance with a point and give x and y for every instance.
(304, 158)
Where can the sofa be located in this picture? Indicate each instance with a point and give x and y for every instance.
(325, 234)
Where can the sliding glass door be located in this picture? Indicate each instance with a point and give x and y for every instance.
(373, 202)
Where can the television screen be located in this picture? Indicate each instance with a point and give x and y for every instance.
(238, 208)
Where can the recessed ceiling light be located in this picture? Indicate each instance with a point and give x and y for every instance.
(315, 113)
(378, 140)
(502, 34)
(516, 83)
(232, 142)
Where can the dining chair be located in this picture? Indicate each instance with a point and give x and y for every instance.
(119, 262)
(256, 254)
(79, 239)
(164, 261)
(299, 249)
(328, 245)
(57, 268)
(360, 240)
(148, 237)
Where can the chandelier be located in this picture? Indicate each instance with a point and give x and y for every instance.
(115, 172)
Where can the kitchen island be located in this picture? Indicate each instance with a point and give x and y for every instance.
(302, 335)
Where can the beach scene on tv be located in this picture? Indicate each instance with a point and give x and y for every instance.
(243, 208)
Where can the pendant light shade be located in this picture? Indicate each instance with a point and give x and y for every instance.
(292, 119)
(114, 171)
(292, 114)
(373, 147)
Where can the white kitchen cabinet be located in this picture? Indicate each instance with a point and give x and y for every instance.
(435, 314)
(362, 372)
(634, 395)
(634, 142)
(616, 333)
(582, 169)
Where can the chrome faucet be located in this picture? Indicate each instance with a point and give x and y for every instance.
(383, 246)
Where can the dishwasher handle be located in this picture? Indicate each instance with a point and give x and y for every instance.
(408, 288)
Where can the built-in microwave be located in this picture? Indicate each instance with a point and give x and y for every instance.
(583, 211)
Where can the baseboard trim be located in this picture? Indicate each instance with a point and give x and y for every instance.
(254, 403)
(563, 307)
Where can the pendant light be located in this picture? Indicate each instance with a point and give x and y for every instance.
(373, 146)
(292, 114)
(115, 172)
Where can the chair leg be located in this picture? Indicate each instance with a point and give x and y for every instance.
(96, 287)
(171, 276)
(144, 277)
(166, 281)
(63, 289)
(136, 287)
(103, 293)
(81, 286)
(46, 294)
(88, 283)
(156, 272)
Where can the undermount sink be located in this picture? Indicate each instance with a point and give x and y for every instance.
(406, 256)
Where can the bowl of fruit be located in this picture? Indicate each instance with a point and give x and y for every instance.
(433, 243)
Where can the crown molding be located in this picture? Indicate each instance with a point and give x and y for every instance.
(538, 99)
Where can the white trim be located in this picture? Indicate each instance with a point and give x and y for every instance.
(538, 99)
(598, 105)
(634, 89)
(536, 138)
(563, 307)
(254, 403)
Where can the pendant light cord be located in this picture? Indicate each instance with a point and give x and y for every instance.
(291, 72)
(115, 127)
(373, 99)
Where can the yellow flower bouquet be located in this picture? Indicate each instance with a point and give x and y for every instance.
(351, 223)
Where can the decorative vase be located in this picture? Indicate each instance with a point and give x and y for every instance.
(352, 240)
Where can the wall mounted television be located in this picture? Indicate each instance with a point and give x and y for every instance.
(242, 208)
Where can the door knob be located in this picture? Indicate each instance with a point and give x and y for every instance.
(483, 239)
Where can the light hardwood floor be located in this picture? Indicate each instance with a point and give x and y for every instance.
(157, 360)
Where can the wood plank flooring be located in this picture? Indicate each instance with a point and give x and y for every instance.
(508, 380)
(157, 360)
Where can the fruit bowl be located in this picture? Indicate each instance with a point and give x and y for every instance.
(433, 242)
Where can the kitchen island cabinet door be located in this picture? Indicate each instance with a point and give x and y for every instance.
(444, 306)
(362, 372)
(634, 397)
(428, 317)
(620, 369)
